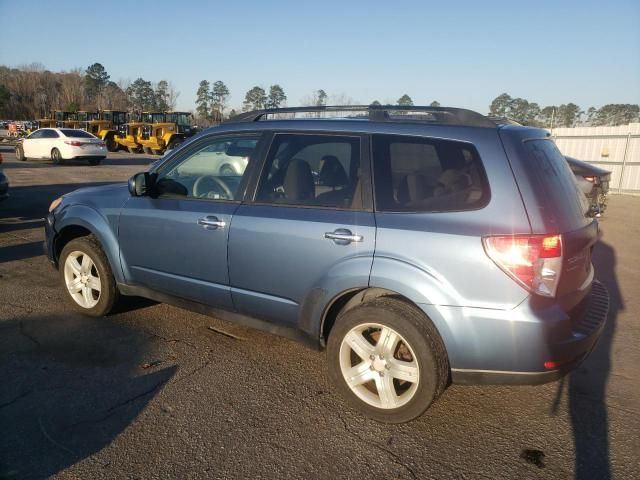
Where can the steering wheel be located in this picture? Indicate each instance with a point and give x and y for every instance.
(200, 189)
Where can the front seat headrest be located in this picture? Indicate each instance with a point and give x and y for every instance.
(332, 173)
(298, 182)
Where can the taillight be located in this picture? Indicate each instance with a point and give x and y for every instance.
(534, 261)
(1, 159)
(73, 143)
(589, 178)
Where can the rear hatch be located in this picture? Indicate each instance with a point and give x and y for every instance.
(556, 205)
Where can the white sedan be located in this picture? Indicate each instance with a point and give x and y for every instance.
(60, 144)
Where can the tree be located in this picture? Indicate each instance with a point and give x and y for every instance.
(322, 98)
(202, 100)
(5, 94)
(96, 78)
(500, 105)
(141, 96)
(617, 114)
(435, 103)
(276, 96)
(219, 95)
(255, 99)
(567, 115)
(375, 103)
(405, 100)
(162, 96)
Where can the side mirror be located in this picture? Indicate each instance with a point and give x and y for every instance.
(139, 184)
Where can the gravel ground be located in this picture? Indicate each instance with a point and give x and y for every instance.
(156, 392)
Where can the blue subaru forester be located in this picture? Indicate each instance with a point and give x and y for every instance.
(420, 245)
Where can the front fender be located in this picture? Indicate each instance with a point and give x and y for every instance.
(98, 225)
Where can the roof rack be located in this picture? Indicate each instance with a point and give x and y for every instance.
(377, 113)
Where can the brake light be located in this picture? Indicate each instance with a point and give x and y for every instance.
(534, 261)
(1, 159)
(73, 143)
(589, 178)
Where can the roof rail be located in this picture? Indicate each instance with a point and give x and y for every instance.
(503, 120)
(378, 113)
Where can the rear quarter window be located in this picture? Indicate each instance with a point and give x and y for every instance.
(413, 174)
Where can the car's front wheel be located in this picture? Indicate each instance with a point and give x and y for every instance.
(387, 360)
(20, 153)
(87, 277)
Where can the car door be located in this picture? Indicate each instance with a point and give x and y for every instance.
(175, 241)
(311, 216)
(48, 142)
(31, 144)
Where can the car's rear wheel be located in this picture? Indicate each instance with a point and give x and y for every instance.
(387, 359)
(56, 157)
(87, 277)
(20, 154)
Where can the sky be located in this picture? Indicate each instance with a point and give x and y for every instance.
(460, 53)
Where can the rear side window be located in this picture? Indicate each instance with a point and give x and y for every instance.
(49, 134)
(413, 174)
(72, 133)
(554, 184)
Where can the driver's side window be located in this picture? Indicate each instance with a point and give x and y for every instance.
(213, 170)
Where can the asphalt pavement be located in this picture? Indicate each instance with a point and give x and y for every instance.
(154, 391)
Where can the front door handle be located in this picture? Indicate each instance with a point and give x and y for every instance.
(343, 236)
(211, 223)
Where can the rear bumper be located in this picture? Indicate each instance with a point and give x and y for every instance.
(525, 346)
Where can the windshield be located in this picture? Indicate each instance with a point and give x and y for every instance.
(183, 119)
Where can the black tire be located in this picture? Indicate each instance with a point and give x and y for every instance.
(147, 150)
(109, 292)
(133, 149)
(56, 156)
(112, 145)
(20, 153)
(425, 343)
(95, 161)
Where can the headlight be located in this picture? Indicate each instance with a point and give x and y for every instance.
(55, 203)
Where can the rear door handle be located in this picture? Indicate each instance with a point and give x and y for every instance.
(343, 236)
(211, 223)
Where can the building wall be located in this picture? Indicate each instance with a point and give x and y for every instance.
(613, 148)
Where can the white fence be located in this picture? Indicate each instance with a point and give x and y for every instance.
(613, 148)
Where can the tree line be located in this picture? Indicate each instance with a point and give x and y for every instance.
(31, 92)
(564, 115)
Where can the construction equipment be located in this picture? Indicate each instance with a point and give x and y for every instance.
(104, 125)
(66, 119)
(129, 135)
(164, 130)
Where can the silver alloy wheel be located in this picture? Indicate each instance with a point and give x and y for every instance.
(379, 366)
(82, 279)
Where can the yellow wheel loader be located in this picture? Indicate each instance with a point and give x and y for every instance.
(164, 130)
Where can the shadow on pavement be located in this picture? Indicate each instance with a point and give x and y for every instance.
(28, 204)
(588, 384)
(20, 252)
(71, 384)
